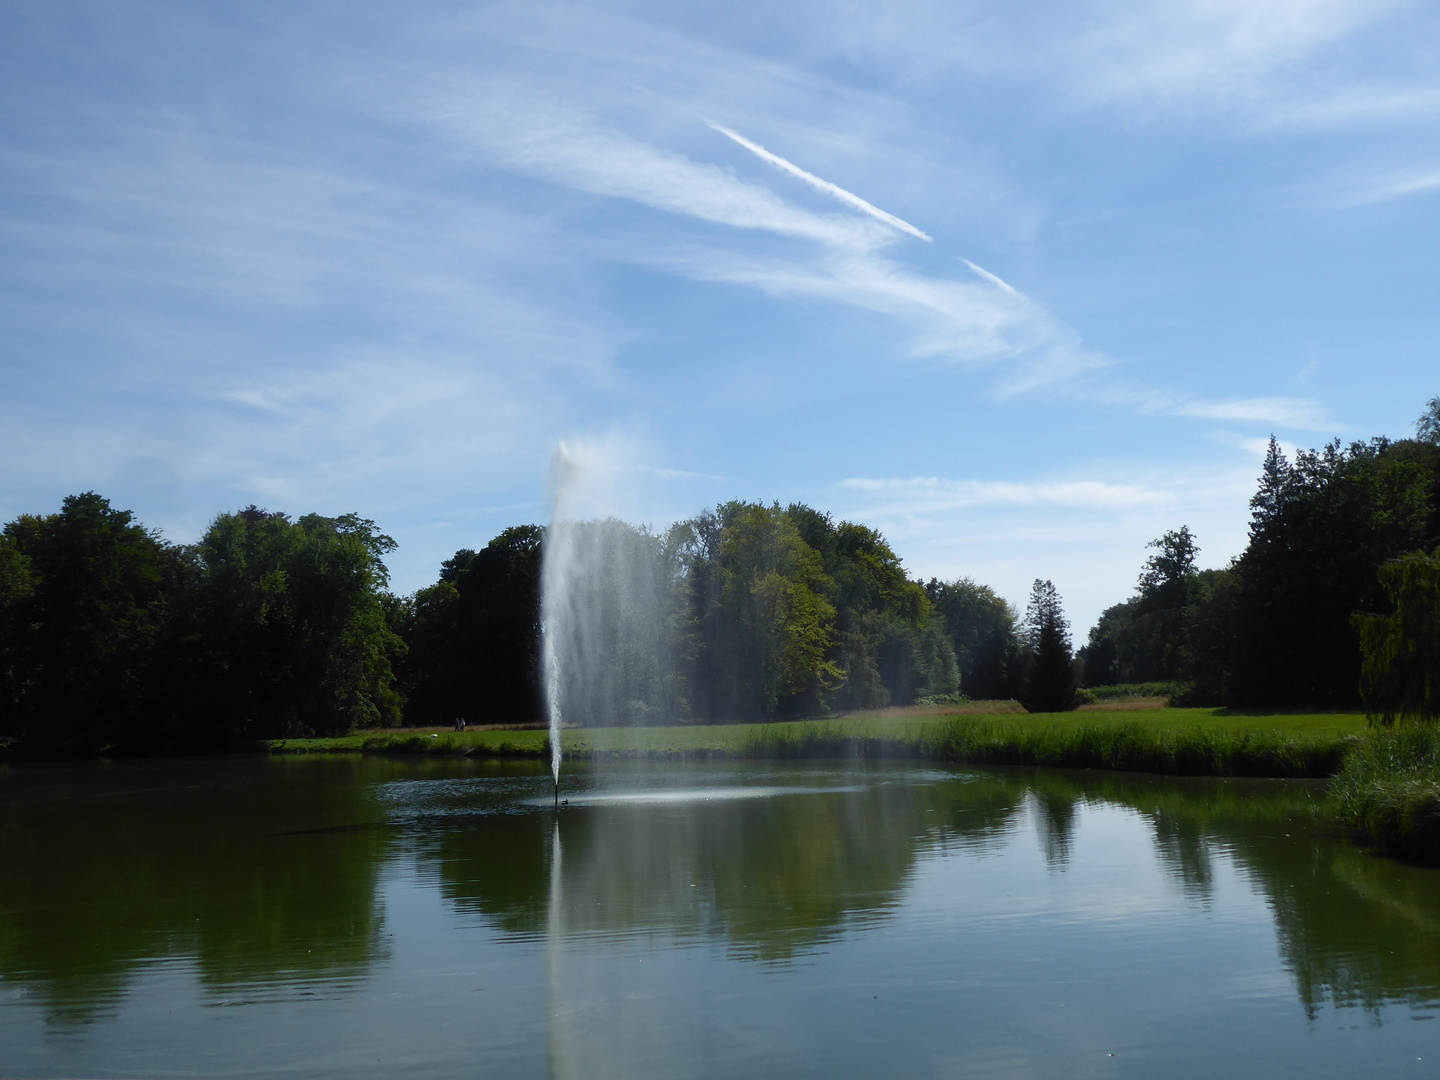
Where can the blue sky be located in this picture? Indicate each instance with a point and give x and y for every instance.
(1021, 286)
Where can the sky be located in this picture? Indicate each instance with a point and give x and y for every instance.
(1021, 286)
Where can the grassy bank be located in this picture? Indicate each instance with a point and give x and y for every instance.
(1388, 792)
(1194, 742)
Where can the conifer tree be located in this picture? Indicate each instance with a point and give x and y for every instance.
(1049, 681)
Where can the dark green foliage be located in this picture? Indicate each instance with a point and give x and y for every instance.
(292, 634)
(1048, 683)
(474, 635)
(1129, 691)
(1320, 528)
(112, 640)
(85, 597)
(17, 585)
(982, 630)
(1144, 638)
(1400, 672)
(761, 603)
(1277, 628)
(1207, 647)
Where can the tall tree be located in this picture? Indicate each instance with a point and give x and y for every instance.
(1400, 671)
(294, 636)
(475, 635)
(769, 622)
(85, 597)
(1143, 638)
(1049, 679)
(983, 630)
(1320, 527)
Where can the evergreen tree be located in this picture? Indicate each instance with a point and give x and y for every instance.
(1320, 528)
(1049, 681)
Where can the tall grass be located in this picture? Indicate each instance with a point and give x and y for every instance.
(1133, 744)
(1123, 746)
(1388, 793)
(1137, 748)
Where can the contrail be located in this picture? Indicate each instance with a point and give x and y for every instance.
(993, 279)
(824, 185)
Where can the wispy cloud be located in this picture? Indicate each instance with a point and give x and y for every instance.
(566, 145)
(930, 494)
(834, 190)
(840, 257)
(1282, 412)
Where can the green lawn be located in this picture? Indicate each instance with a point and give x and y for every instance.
(899, 728)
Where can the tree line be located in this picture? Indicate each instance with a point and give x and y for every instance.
(747, 611)
(113, 639)
(1335, 600)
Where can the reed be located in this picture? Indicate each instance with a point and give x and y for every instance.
(1388, 792)
(1136, 747)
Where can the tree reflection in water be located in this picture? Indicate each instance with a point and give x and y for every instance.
(262, 875)
(774, 877)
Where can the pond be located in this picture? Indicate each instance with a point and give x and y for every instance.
(322, 916)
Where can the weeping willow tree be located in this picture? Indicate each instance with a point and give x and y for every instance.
(1400, 667)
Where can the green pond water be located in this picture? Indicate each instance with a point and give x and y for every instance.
(348, 916)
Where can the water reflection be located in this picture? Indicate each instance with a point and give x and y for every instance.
(1353, 928)
(770, 870)
(263, 878)
(775, 877)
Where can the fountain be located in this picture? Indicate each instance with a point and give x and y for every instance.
(604, 588)
(554, 580)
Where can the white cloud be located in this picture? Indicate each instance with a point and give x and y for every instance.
(1281, 412)
(839, 257)
(1087, 535)
(568, 146)
(1299, 64)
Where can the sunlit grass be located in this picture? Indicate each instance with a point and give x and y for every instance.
(1177, 741)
